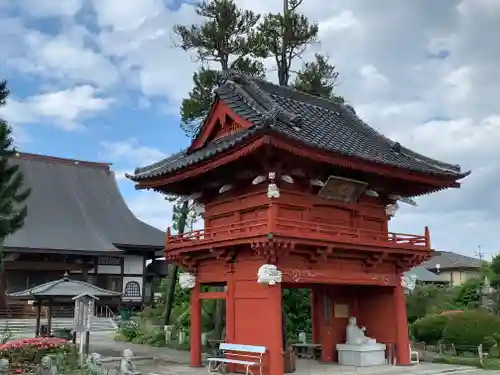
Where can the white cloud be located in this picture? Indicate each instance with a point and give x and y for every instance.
(66, 58)
(63, 109)
(51, 8)
(152, 208)
(425, 73)
(131, 153)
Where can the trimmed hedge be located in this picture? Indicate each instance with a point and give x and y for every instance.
(430, 328)
(471, 328)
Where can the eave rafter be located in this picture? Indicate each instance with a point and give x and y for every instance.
(267, 138)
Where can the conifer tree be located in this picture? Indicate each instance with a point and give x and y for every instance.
(318, 78)
(226, 39)
(13, 193)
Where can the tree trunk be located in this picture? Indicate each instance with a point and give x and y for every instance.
(173, 272)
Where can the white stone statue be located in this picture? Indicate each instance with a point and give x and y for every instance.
(126, 365)
(391, 209)
(187, 280)
(269, 274)
(409, 282)
(356, 335)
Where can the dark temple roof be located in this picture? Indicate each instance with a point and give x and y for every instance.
(449, 260)
(76, 206)
(314, 121)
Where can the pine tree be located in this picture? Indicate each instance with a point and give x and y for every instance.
(318, 78)
(285, 36)
(13, 193)
(226, 39)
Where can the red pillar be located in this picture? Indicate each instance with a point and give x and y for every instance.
(315, 317)
(402, 340)
(274, 324)
(326, 311)
(230, 318)
(195, 334)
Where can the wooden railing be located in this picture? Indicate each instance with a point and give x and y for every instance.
(346, 234)
(296, 228)
(221, 232)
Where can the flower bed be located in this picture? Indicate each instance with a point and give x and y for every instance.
(24, 355)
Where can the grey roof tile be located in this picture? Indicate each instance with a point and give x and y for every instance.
(449, 260)
(312, 120)
(77, 207)
(64, 287)
(424, 275)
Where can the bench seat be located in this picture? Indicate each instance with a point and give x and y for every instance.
(235, 361)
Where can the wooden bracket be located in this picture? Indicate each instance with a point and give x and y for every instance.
(374, 260)
(271, 249)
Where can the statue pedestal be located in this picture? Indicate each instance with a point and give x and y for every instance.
(361, 355)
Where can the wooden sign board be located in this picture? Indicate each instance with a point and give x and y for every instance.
(341, 310)
(342, 189)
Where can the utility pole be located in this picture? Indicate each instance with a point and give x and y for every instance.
(479, 253)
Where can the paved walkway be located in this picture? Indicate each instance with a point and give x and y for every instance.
(176, 362)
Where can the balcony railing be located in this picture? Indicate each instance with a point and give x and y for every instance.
(295, 228)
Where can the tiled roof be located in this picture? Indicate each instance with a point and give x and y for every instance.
(312, 120)
(424, 275)
(76, 206)
(449, 260)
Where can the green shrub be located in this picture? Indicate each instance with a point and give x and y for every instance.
(471, 328)
(129, 330)
(429, 329)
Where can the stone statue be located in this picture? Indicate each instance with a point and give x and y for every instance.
(269, 274)
(356, 335)
(94, 364)
(4, 366)
(47, 367)
(187, 280)
(126, 365)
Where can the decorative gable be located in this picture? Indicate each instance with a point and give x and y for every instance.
(220, 122)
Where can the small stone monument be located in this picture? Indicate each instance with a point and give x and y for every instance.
(47, 367)
(127, 367)
(302, 337)
(181, 337)
(4, 366)
(94, 364)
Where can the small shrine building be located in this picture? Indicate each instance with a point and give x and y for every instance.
(296, 191)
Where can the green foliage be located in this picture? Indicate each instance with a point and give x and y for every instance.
(285, 38)
(13, 193)
(318, 78)
(469, 293)
(129, 330)
(470, 328)
(226, 37)
(24, 355)
(298, 311)
(429, 329)
(430, 299)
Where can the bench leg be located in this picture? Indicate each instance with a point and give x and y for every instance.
(249, 372)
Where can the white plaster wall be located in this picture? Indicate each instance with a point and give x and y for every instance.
(127, 279)
(133, 264)
(112, 270)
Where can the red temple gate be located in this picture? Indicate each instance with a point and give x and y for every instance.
(301, 183)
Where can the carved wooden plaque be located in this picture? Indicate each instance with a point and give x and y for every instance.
(341, 310)
(342, 189)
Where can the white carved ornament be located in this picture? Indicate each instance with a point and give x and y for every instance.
(269, 274)
(409, 282)
(187, 280)
(391, 209)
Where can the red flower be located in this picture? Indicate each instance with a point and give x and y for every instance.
(18, 370)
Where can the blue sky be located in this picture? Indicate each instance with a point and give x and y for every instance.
(101, 80)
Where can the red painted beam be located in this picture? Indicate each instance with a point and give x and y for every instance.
(213, 295)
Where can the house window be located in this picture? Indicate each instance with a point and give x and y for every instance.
(132, 289)
(109, 261)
